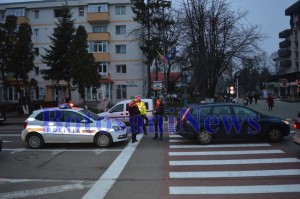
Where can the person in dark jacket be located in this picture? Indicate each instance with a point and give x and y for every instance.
(134, 119)
(159, 119)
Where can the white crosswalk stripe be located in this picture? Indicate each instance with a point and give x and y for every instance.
(187, 159)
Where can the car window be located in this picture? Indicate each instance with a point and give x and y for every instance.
(200, 111)
(117, 108)
(89, 114)
(47, 115)
(221, 110)
(72, 117)
(243, 111)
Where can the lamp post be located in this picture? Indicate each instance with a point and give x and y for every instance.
(237, 74)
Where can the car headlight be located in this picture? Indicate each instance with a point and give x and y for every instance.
(117, 128)
(286, 122)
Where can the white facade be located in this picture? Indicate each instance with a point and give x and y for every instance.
(122, 69)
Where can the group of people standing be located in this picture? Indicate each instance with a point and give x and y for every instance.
(138, 119)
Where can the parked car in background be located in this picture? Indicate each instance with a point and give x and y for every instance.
(2, 116)
(296, 137)
(228, 121)
(65, 124)
(119, 110)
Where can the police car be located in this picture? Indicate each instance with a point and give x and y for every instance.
(66, 124)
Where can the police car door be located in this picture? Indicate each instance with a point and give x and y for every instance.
(76, 127)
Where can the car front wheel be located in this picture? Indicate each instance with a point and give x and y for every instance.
(35, 141)
(274, 134)
(103, 140)
(204, 137)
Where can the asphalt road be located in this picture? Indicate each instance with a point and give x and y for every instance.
(172, 168)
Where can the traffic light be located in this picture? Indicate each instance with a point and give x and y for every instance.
(231, 90)
(298, 83)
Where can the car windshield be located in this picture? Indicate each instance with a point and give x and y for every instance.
(89, 114)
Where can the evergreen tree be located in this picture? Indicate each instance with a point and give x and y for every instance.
(8, 37)
(83, 69)
(22, 62)
(57, 56)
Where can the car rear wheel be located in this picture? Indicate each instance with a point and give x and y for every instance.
(274, 134)
(204, 137)
(103, 140)
(35, 141)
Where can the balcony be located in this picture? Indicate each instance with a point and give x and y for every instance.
(22, 19)
(285, 63)
(284, 52)
(102, 57)
(285, 44)
(98, 17)
(99, 36)
(285, 34)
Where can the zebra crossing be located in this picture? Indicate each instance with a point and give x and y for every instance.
(233, 169)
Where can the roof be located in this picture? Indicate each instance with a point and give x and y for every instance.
(107, 80)
(293, 8)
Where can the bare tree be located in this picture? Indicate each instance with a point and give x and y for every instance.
(216, 38)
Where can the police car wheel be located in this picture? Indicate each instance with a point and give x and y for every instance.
(35, 141)
(103, 140)
(204, 137)
(274, 134)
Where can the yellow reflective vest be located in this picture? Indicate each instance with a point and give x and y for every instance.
(142, 107)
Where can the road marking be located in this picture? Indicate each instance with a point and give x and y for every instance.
(175, 136)
(176, 141)
(217, 146)
(43, 191)
(230, 162)
(10, 135)
(248, 152)
(235, 189)
(232, 174)
(55, 151)
(106, 181)
(21, 180)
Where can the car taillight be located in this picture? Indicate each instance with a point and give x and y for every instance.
(25, 124)
(296, 125)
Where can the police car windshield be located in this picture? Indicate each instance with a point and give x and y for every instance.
(89, 114)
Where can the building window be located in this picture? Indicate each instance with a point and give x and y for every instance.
(58, 13)
(36, 14)
(36, 33)
(121, 30)
(97, 8)
(18, 12)
(2, 15)
(98, 46)
(36, 51)
(37, 70)
(120, 10)
(121, 49)
(102, 28)
(121, 68)
(102, 67)
(121, 92)
(81, 11)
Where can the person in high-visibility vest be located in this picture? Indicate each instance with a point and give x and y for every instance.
(143, 110)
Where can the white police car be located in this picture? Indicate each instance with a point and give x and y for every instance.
(64, 124)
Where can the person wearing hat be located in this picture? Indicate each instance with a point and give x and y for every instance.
(142, 107)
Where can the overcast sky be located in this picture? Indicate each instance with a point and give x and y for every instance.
(269, 15)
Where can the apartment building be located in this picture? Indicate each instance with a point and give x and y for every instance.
(108, 23)
(289, 56)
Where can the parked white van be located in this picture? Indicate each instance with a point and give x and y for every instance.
(120, 112)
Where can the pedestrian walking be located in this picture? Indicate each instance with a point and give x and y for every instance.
(142, 107)
(270, 101)
(135, 120)
(159, 119)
